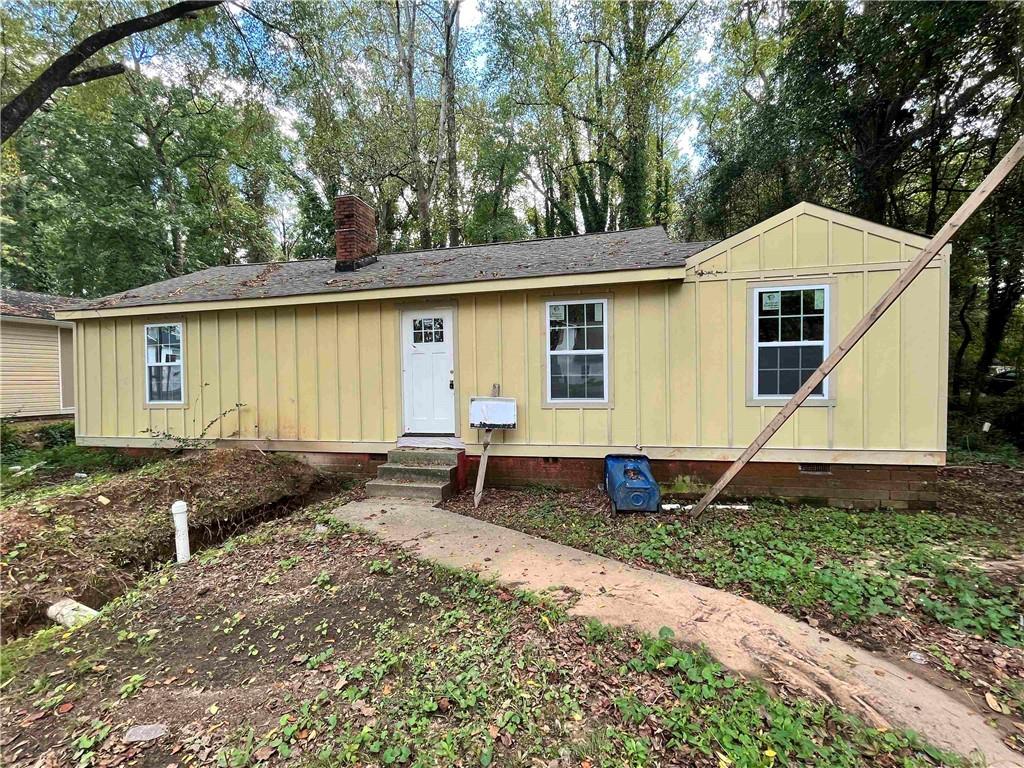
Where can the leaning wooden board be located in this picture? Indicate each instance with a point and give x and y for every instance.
(907, 276)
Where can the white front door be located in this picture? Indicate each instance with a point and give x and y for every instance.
(428, 372)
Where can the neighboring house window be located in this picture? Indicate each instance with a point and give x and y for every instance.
(577, 334)
(792, 335)
(165, 367)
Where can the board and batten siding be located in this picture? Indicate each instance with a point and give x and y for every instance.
(326, 376)
(30, 369)
(890, 391)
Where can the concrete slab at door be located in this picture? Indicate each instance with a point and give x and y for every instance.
(428, 372)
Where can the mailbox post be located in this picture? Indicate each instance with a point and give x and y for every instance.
(488, 414)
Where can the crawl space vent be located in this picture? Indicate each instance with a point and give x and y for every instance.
(816, 469)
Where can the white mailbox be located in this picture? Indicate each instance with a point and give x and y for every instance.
(492, 412)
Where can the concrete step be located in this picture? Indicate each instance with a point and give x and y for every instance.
(422, 457)
(425, 473)
(409, 490)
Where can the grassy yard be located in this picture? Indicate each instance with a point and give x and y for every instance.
(946, 585)
(304, 643)
(40, 459)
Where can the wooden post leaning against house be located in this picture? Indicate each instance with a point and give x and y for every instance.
(906, 277)
(478, 492)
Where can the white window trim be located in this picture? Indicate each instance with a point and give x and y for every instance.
(548, 352)
(756, 292)
(60, 366)
(148, 365)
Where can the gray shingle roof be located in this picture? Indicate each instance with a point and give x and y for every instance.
(644, 248)
(30, 304)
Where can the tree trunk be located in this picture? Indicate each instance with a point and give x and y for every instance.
(451, 41)
(1005, 257)
(1004, 293)
(965, 342)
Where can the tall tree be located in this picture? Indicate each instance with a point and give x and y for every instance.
(892, 111)
(66, 71)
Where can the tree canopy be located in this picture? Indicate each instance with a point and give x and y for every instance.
(222, 136)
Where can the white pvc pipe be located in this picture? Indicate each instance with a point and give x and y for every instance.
(179, 511)
(688, 507)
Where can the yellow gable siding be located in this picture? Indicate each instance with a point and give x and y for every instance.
(890, 391)
(29, 369)
(328, 376)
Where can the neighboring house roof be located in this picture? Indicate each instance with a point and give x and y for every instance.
(32, 305)
(632, 249)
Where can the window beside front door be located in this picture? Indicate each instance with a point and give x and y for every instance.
(790, 339)
(577, 351)
(165, 365)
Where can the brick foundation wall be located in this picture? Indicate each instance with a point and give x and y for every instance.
(853, 486)
(857, 486)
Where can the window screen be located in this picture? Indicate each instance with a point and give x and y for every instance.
(165, 367)
(791, 338)
(577, 350)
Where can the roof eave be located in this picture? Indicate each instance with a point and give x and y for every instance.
(34, 320)
(578, 279)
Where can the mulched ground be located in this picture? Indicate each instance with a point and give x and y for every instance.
(93, 545)
(969, 665)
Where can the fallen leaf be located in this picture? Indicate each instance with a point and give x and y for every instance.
(264, 753)
(64, 708)
(994, 704)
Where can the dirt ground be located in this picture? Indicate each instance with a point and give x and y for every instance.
(304, 643)
(93, 544)
(938, 593)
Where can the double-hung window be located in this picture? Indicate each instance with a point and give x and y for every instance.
(791, 338)
(577, 351)
(165, 366)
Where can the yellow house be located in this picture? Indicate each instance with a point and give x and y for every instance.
(620, 342)
(36, 356)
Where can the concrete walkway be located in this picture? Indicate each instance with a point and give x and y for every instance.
(743, 635)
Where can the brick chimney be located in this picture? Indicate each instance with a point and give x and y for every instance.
(355, 233)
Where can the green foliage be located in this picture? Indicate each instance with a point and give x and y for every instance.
(382, 566)
(156, 181)
(57, 434)
(11, 441)
(61, 461)
(850, 565)
(834, 103)
(131, 686)
(969, 443)
(742, 721)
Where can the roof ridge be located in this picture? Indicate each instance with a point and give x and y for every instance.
(631, 249)
(445, 249)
